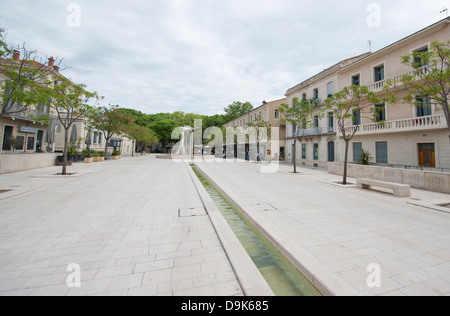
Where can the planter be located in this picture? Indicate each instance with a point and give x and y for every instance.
(96, 159)
(102, 158)
(116, 157)
(89, 160)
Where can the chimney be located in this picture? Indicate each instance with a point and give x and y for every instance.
(16, 55)
(56, 68)
(51, 62)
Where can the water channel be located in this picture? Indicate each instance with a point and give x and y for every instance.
(283, 278)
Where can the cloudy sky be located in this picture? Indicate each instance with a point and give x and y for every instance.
(198, 56)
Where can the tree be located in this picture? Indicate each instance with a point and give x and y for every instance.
(4, 50)
(430, 77)
(163, 130)
(71, 102)
(140, 134)
(299, 115)
(237, 109)
(348, 106)
(25, 81)
(110, 121)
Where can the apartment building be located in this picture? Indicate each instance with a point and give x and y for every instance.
(402, 134)
(19, 131)
(317, 142)
(82, 135)
(268, 113)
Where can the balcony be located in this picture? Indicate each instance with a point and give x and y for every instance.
(424, 123)
(28, 115)
(397, 80)
(313, 131)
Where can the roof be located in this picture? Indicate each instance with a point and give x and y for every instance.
(443, 22)
(327, 71)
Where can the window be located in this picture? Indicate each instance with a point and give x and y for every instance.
(382, 152)
(356, 80)
(303, 151)
(20, 142)
(30, 143)
(277, 114)
(7, 135)
(356, 117)
(316, 151)
(294, 130)
(380, 112)
(423, 107)
(95, 137)
(40, 107)
(330, 122)
(357, 150)
(331, 152)
(419, 58)
(330, 89)
(316, 121)
(379, 73)
(100, 138)
(304, 97)
(316, 94)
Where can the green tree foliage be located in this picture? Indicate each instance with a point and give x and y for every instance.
(348, 106)
(163, 130)
(110, 121)
(429, 78)
(141, 134)
(299, 115)
(4, 50)
(237, 109)
(25, 82)
(70, 102)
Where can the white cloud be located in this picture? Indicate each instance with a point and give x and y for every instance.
(201, 55)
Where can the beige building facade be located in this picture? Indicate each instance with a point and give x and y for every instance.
(20, 133)
(317, 144)
(80, 135)
(403, 135)
(267, 114)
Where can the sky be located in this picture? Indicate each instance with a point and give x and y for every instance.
(198, 56)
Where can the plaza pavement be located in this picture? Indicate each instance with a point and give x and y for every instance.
(119, 221)
(336, 233)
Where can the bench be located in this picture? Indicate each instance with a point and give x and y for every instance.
(400, 190)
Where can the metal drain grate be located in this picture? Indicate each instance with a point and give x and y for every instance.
(191, 212)
(265, 207)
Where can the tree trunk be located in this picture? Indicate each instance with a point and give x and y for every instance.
(66, 147)
(106, 149)
(294, 156)
(344, 181)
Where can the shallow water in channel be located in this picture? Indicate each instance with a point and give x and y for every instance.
(282, 277)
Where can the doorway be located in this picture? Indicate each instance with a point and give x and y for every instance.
(427, 155)
(7, 135)
(331, 152)
(39, 140)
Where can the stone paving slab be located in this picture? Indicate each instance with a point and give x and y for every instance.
(346, 230)
(118, 220)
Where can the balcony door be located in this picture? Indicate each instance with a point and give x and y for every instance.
(427, 155)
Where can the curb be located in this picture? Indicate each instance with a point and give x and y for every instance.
(251, 280)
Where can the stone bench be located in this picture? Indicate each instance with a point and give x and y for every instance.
(400, 190)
